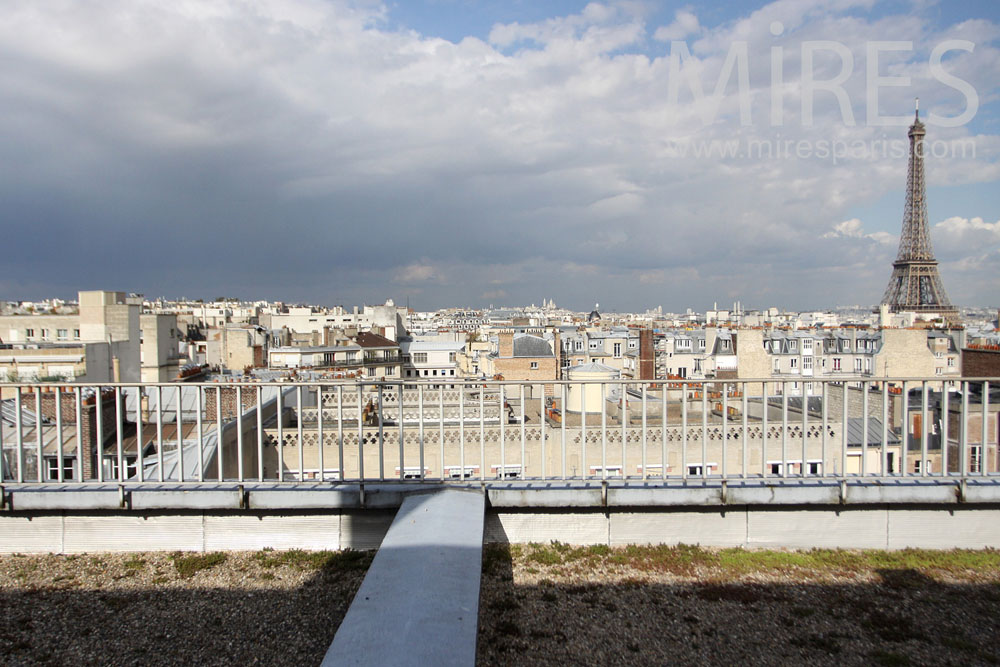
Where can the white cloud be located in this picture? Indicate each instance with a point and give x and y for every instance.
(854, 229)
(961, 227)
(320, 147)
(685, 24)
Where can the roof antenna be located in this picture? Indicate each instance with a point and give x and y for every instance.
(917, 105)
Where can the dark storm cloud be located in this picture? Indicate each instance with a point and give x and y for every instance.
(294, 150)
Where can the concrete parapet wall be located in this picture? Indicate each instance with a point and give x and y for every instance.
(863, 527)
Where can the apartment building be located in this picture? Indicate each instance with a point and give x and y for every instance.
(100, 343)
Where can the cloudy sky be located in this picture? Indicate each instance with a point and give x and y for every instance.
(463, 152)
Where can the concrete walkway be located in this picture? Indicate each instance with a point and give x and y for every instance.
(419, 602)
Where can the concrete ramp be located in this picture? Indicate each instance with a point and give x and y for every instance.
(419, 602)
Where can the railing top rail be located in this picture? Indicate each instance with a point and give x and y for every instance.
(475, 382)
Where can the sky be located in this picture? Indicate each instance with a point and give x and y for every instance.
(467, 153)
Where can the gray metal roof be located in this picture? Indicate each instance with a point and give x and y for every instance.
(8, 411)
(855, 429)
(531, 346)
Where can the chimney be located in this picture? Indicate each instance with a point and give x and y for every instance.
(646, 365)
(506, 347)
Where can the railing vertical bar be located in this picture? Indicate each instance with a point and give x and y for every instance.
(885, 429)
(564, 415)
(843, 430)
(99, 417)
(542, 418)
(905, 452)
(482, 433)
(503, 431)
(524, 463)
(684, 430)
(763, 430)
(804, 467)
(298, 422)
(402, 448)
(725, 431)
(461, 427)
(361, 433)
(281, 434)
(260, 435)
(623, 417)
(864, 428)
(704, 430)
(644, 434)
(985, 440)
(604, 434)
(923, 429)
(943, 436)
(825, 426)
(663, 434)
(784, 428)
(963, 432)
(340, 430)
(381, 436)
(239, 433)
(4, 470)
(420, 430)
(39, 457)
(19, 434)
(59, 436)
(745, 463)
(119, 443)
(199, 430)
(320, 444)
(78, 400)
(583, 430)
(218, 435)
(180, 437)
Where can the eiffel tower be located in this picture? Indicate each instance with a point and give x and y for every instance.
(915, 284)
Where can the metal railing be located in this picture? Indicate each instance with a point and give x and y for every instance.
(349, 431)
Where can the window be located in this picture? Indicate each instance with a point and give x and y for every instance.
(579, 345)
(975, 458)
(807, 345)
(807, 363)
(951, 362)
(836, 363)
(868, 365)
(777, 365)
(794, 363)
(451, 357)
(534, 365)
(701, 344)
(857, 365)
(793, 346)
(29, 333)
(52, 468)
(45, 333)
(938, 371)
(76, 334)
(421, 357)
(61, 333)
(131, 468)
(617, 350)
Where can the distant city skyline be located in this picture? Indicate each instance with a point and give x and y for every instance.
(468, 153)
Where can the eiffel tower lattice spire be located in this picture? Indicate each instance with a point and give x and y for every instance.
(915, 284)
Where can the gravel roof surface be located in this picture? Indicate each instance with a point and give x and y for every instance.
(262, 608)
(550, 604)
(563, 605)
